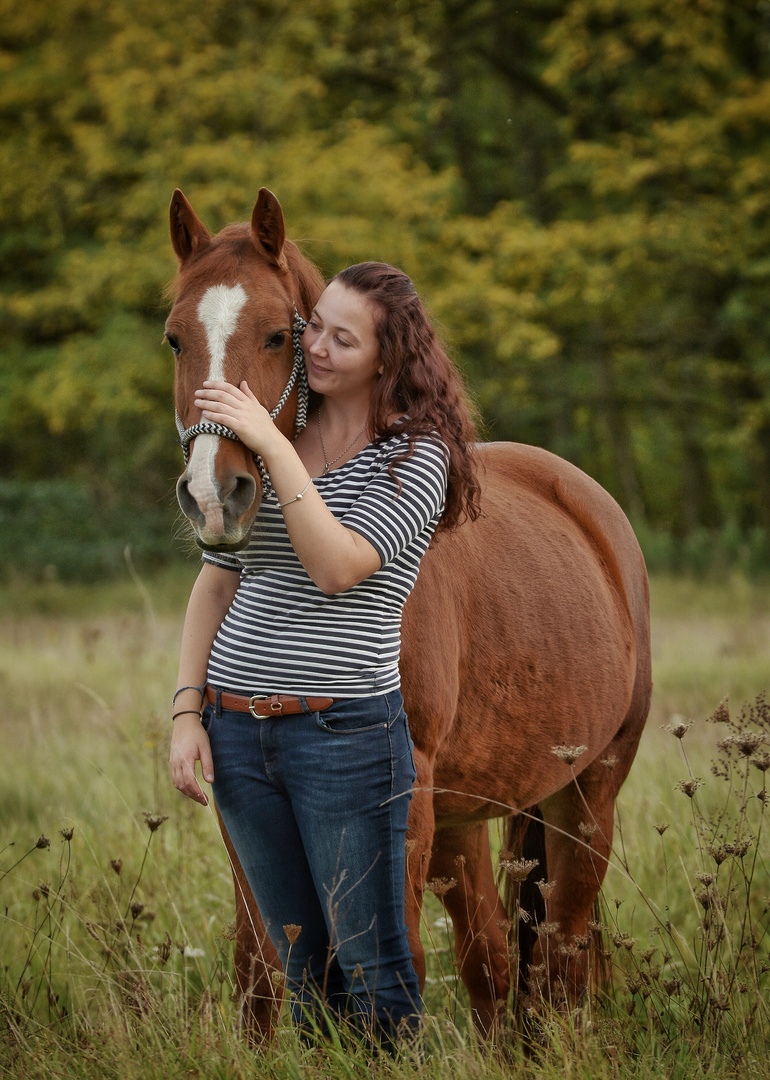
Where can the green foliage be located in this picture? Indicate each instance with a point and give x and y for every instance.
(579, 188)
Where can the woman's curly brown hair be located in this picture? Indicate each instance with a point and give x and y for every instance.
(419, 382)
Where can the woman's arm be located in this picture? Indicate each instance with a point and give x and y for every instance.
(210, 600)
(335, 557)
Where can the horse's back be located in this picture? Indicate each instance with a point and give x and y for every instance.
(527, 628)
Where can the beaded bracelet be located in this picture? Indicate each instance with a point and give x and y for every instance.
(201, 690)
(184, 712)
(296, 497)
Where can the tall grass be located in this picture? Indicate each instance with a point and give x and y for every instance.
(116, 898)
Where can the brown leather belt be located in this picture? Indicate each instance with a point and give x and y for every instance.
(264, 706)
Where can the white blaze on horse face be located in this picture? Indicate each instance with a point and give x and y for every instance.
(218, 311)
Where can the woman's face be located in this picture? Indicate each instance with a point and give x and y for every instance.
(340, 343)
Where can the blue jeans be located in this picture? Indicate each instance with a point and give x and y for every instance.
(316, 806)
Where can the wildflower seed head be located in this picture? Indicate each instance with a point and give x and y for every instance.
(440, 886)
(154, 821)
(624, 940)
(609, 762)
(690, 786)
(761, 760)
(277, 978)
(720, 715)
(586, 830)
(292, 932)
(662, 828)
(568, 754)
(117, 866)
(67, 834)
(740, 847)
(43, 842)
(718, 853)
(546, 888)
(136, 909)
(745, 742)
(163, 949)
(519, 869)
(45, 888)
(459, 860)
(705, 879)
(594, 927)
(763, 796)
(678, 726)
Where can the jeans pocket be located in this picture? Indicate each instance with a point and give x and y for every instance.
(207, 716)
(357, 716)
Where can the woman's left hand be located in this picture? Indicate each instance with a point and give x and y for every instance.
(237, 408)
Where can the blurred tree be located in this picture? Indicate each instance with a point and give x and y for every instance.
(579, 187)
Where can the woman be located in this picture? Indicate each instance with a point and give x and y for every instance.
(295, 644)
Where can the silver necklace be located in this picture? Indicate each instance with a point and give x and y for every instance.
(328, 464)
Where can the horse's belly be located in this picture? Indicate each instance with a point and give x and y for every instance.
(536, 641)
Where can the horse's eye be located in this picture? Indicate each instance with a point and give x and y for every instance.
(275, 341)
(176, 348)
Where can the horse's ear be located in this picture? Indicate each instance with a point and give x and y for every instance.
(267, 228)
(188, 234)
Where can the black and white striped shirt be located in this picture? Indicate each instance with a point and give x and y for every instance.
(282, 634)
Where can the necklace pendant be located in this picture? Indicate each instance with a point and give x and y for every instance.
(326, 470)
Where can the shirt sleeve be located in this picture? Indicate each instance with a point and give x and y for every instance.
(391, 519)
(224, 560)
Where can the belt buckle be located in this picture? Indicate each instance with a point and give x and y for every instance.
(276, 707)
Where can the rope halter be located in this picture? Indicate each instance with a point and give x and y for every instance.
(298, 376)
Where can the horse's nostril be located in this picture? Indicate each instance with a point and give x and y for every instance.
(188, 504)
(241, 494)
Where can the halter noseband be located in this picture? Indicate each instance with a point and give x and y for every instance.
(298, 376)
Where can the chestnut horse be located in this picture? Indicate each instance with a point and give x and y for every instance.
(527, 634)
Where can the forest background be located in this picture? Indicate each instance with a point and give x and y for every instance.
(579, 188)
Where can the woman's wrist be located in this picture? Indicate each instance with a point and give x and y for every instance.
(184, 690)
(186, 712)
(188, 700)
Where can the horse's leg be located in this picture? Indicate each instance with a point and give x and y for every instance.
(256, 960)
(579, 823)
(419, 842)
(461, 853)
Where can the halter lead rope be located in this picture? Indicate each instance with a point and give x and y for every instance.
(298, 376)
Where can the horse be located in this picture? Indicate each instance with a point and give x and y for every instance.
(525, 663)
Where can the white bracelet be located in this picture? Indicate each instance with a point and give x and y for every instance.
(296, 497)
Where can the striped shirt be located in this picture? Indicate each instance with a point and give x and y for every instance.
(282, 634)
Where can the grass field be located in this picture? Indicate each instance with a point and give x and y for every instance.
(116, 899)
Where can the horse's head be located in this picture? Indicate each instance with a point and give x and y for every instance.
(236, 294)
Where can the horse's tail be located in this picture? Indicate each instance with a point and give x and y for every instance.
(524, 841)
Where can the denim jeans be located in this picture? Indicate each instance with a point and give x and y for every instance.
(316, 806)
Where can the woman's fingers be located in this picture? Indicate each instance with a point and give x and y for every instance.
(238, 409)
(189, 745)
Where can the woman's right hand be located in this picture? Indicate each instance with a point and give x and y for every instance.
(190, 744)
